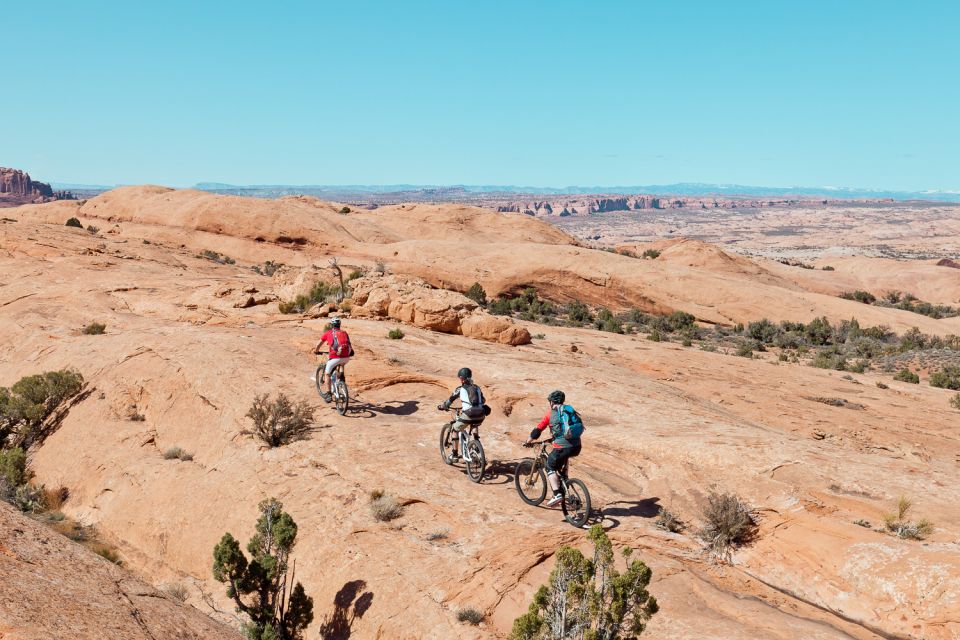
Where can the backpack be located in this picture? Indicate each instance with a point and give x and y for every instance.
(477, 410)
(341, 347)
(571, 424)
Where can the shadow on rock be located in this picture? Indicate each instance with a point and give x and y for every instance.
(646, 508)
(392, 408)
(349, 605)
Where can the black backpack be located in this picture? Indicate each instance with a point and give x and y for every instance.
(478, 410)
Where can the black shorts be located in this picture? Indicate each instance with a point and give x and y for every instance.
(558, 457)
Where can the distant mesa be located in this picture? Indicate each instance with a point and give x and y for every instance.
(16, 188)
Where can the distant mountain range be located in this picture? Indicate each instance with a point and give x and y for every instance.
(453, 193)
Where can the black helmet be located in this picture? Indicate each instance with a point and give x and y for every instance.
(556, 397)
(465, 373)
(335, 323)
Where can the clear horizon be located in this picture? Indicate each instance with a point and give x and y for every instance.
(759, 94)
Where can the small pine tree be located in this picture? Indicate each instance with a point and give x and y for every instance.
(589, 598)
(73, 222)
(477, 294)
(279, 609)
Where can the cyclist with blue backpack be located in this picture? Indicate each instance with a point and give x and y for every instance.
(566, 427)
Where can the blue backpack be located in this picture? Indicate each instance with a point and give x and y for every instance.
(571, 425)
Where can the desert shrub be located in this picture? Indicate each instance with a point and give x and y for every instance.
(745, 349)
(13, 467)
(268, 269)
(281, 421)
(438, 535)
(344, 210)
(655, 336)
(653, 254)
(380, 267)
(606, 321)
(53, 499)
(395, 334)
(728, 522)
(384, 507)
(862, 523)
(586, 598)
(470, 615)
(828, 268)
(830, 358)
(946, 378)
(955, 401)
(73, 222)
(176, 591)
(219, 258)
(667, 521)
(860, 296)
(898, 525)
(319, 292)
(92, 229)
(686, 342)
(259, 586)
(763, 331)
(477, 294)
(95, 329)
(25, 405)
(108, 554)
(578, 312)
(905, 375)
(177, 453)
(818, 331)
(881, 385)
(30, 498)
(356, 273)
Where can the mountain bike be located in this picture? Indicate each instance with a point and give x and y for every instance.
(338, 386)
(470, 448)
(531, 482)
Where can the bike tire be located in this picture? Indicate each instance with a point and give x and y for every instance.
(533, 493)
(318, 378)
(576, 503)
(446, 445)
(342, 397)
(477, 462)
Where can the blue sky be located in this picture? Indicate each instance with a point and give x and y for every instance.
(773, 93)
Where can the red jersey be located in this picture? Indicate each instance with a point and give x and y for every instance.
(339, 343)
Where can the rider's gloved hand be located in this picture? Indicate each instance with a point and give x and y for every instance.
(441, 407)
(534, 435)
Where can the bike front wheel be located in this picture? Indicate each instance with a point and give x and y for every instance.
(446, 444)
(342, 396)
(476, 461)
(576, 503)
(531, 482)
(318, 378)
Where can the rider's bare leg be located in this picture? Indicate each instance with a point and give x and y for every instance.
(554, 480)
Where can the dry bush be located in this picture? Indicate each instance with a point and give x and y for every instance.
(728, 522)
(176, 591)
(53, 499)
(437, 535)
(281, 421)
(898, 525)
(95, 329)
(176, 453)
(471, 615)
(384, 507)
(667, 521)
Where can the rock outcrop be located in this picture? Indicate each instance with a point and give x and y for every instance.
(415, 302)
(54, 588)
(16, 187)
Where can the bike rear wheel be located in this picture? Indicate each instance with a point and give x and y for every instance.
(576, 503)
(532, 486)
(446, 443)
(476, 460)
(342, 396)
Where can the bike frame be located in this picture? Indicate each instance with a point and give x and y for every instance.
(334, 376)
(541, 463)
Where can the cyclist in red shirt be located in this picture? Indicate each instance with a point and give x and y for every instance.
(340, 353)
